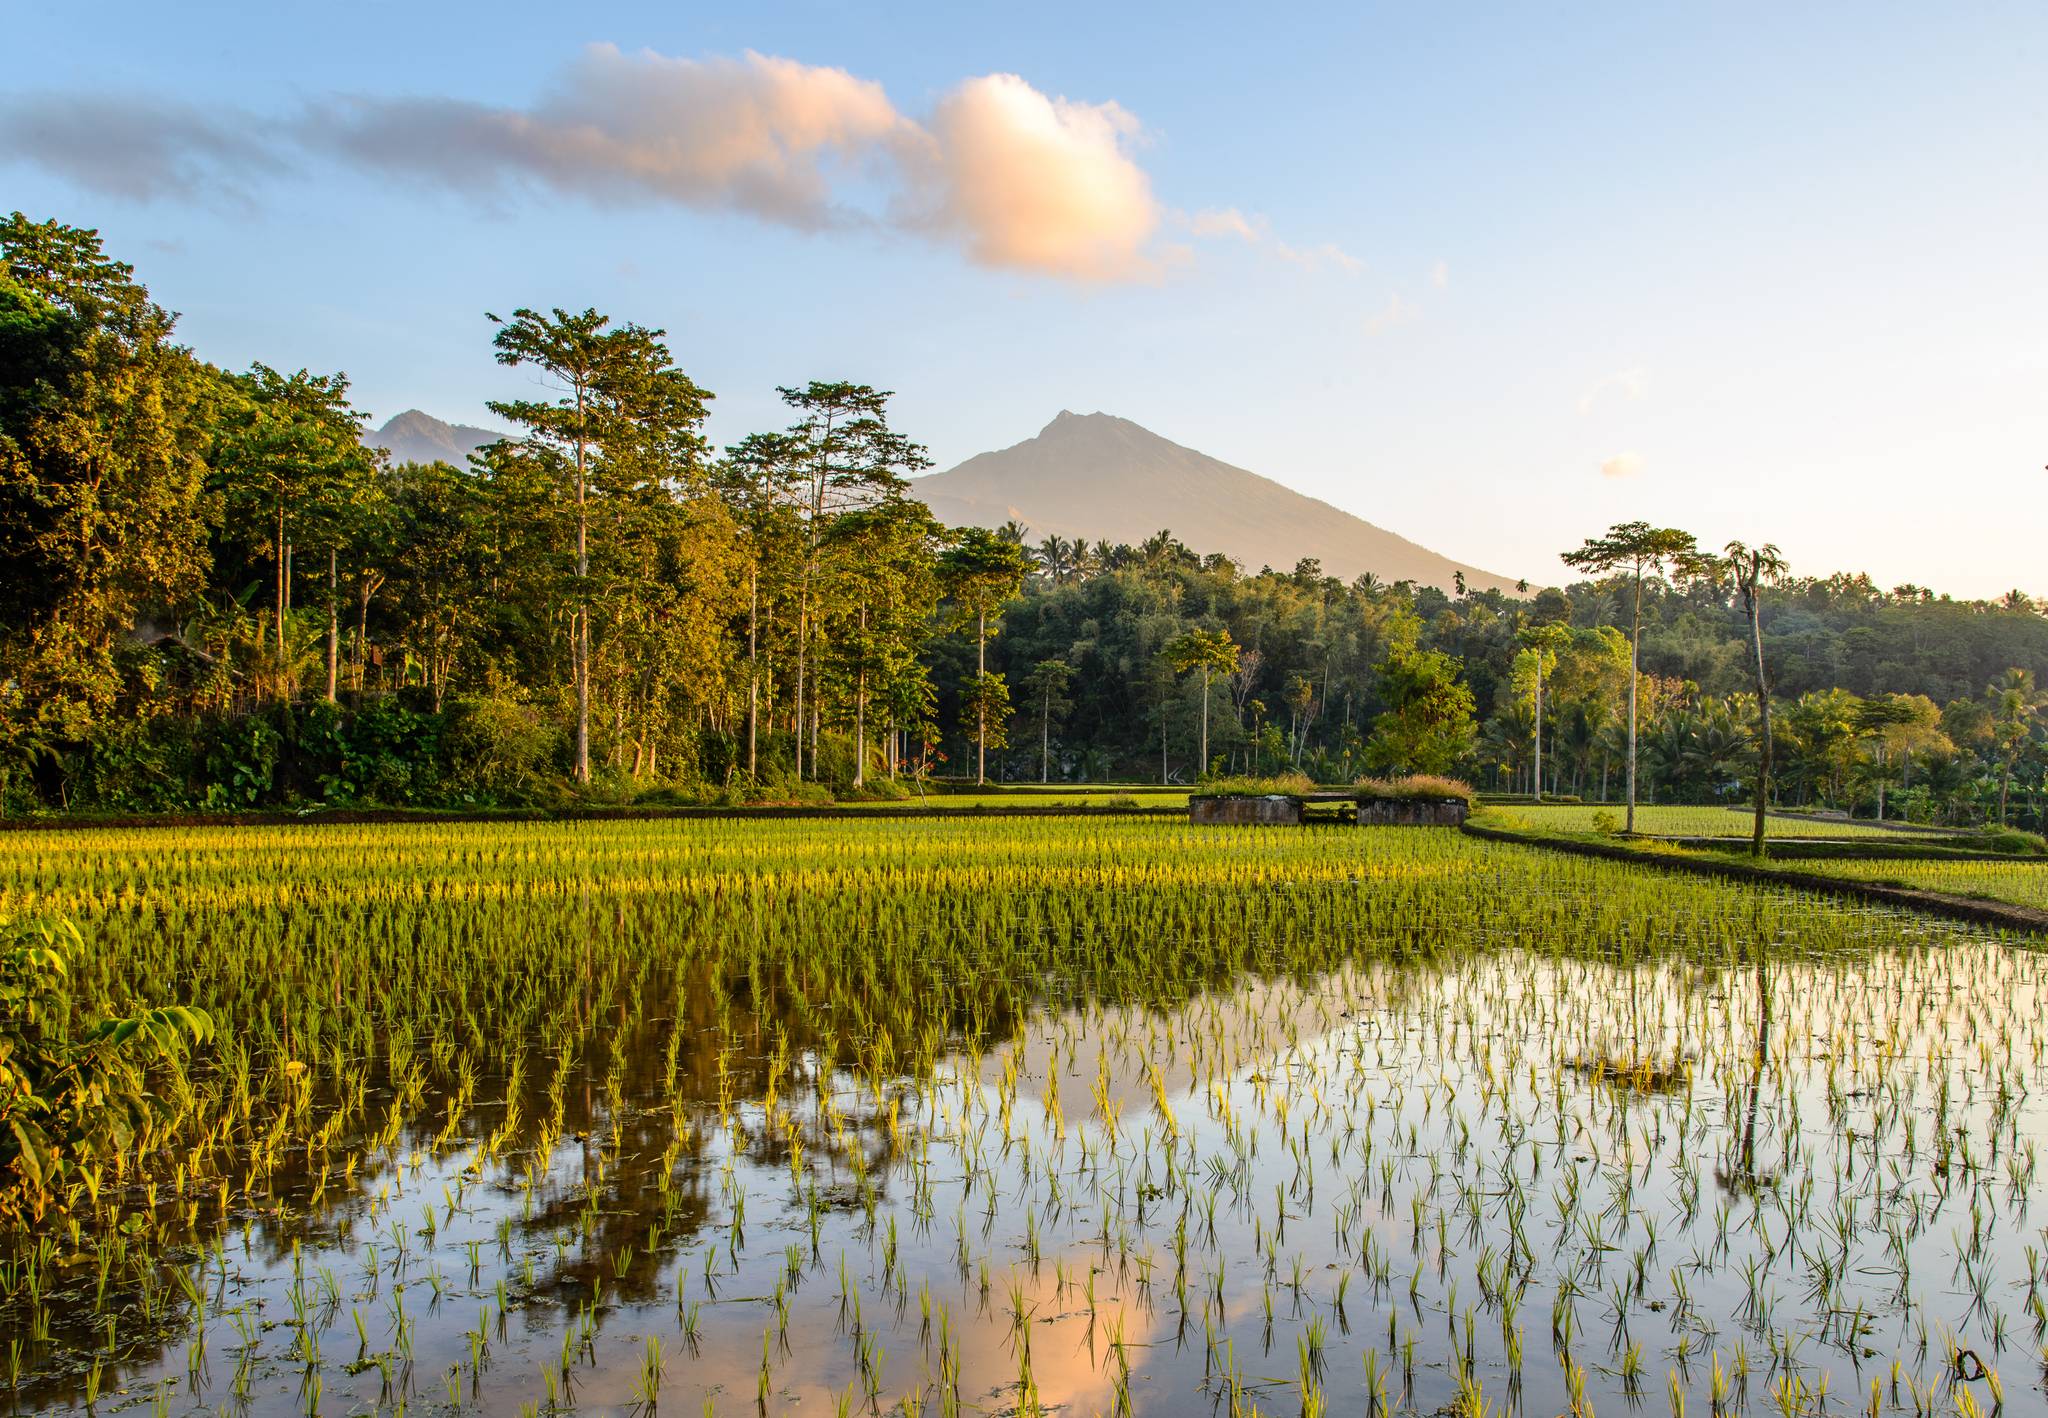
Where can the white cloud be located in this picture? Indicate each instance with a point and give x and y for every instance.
(1253, 230)
(1316, 257)
(1035, 183)
(1228, 221)
(1397, 311)
(1440, 275)
(1629, 384)
(1622, 465)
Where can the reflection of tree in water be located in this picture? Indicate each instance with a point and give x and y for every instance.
(738, 1041)
(779, 1047)
(1742, 1175)
(836, 1045)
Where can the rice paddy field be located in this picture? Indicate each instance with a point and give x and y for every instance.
(1098, 1115)
(2024, 881)
(1682, 821)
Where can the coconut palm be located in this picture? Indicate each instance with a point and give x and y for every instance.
(2013, 701)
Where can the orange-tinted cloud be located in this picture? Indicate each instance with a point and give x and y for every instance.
(1037, 183)
(1014, 178)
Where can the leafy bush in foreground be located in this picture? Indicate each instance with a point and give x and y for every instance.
(67, 1104)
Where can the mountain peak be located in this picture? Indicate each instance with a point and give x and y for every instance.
(418, 437)
(1108, 479)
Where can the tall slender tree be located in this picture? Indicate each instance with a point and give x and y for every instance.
(980, 572)
(621, 409)
(1640, 550)
(1752, 569)
(1542, 644)
(1212, 652)
(1047, 685)
(294, 465)
(841, 456)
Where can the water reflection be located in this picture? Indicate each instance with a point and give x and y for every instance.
(1395, 1183)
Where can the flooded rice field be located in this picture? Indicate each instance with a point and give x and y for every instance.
(1090, 1116)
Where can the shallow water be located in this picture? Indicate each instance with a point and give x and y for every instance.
(1403, 1179)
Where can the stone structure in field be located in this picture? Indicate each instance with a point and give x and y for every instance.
(1292, 809)
(1413, 812)
(1245, 810)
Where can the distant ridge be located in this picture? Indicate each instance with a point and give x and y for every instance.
(1107, 479)
(415, 437)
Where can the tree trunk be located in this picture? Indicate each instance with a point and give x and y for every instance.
(283, 685)
(981, 698)
(333, 626)
(579, 644)
(1203, 766)
(1536, 777)
(860, 708)
(1635, 673)
(1045, 737)
(363, 630)
(753, 667)
(1763, 709)
(1162, 741)
(796, 722)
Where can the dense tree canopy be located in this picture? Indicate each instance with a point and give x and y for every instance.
(211, 595)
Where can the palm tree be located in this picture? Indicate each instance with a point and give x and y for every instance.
(1056, 556)
(2014, 701)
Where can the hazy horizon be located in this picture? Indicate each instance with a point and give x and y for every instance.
(1492, 282)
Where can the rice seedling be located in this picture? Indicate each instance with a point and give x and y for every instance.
(890, 1113)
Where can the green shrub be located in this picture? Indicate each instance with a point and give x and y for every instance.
(140, 765)
(498, 748)
(875, 790)
(239, 762)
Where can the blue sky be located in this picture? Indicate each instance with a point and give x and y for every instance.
(1764, 272)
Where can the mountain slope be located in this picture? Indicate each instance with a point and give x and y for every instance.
(414, 437)
(1107, 479)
